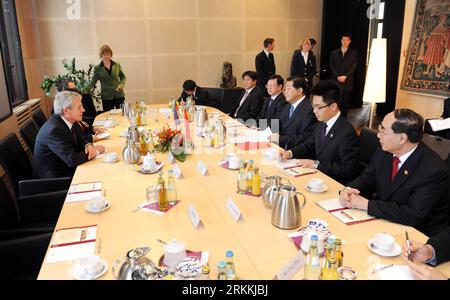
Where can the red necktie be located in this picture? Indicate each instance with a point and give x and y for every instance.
(395, 162)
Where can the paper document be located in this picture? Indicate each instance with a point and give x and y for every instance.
(438, 125)
(349, 216)
(396, 272)
(85, 192)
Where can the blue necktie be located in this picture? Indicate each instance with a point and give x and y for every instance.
(291, 112)
(270, 103)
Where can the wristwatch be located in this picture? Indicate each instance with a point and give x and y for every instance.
(316, 164)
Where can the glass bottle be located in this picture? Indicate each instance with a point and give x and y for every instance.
(330, 253)
(171, 189)
(330, 272)
(312, 267)
(242, 179)
(231, 272)
(143, 144)
(216, 141)
(256, 183)
(339, 254)
(250, 173)
(138, 119)
(221, 274)
(150, 142)
(163, 203)
(205, 272)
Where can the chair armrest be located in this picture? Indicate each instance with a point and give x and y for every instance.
(41, 207)
(41, 186)
(10, 234)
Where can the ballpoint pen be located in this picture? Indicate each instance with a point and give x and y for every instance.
(382, 268)
(408, 246)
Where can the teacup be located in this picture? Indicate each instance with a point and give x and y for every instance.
(234, 162)
(111, 156)
(149, 163)
(97, 203)
(384, 242)
(90, 265)
(315, 184)
(174, 252)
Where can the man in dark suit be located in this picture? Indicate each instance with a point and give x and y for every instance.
(199, 95)
(343, 63)
(433, 253)
(406, 182)
(297, 119)
(250, 102)
(59, 149)
(273, 105)
(265, 64)
(334, 145)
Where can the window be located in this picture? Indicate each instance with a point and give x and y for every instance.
(12, 53)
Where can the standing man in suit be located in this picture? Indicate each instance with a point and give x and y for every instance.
(304, 63)
(251, 101)
(297, 119)
(265, 64)
(433, 253)
(59, 149)
(343, 63)
(334, 145)
(406, 182)
(273, 105)
(198, 94)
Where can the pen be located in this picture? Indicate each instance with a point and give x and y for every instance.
(382, 268)
(408, 247)
(346, 214)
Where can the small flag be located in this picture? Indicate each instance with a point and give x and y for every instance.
(176, 118)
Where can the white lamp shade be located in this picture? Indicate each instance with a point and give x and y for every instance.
(375, 87)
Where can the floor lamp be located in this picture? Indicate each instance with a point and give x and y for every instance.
(375, 87)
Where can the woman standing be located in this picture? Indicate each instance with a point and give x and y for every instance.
(304, 63)
(111, 78)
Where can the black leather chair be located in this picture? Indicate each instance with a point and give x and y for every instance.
(27, 215)
(23, 257)
(19, 171)
(447, 162)
(90, 111)
(368, 144)
(39, 117)
(227, 99)
(29, 131)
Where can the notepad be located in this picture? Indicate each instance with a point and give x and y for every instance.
(349, 216)
(438, 124)
(299, 171)
(84, 191)
(287, 164)
(396, 272)
(72, 243)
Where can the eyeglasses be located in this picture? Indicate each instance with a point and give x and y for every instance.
(314, 107)
(382, 131)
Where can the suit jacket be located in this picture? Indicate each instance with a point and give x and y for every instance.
(265, 67)
(417, 196)
(84, 130)
(296, 130)
(273, 112)
(251, 107)
(441, 245)
(201, 97)
(344, 65)
(300, 69)
(446, 113)
(56, 153)
(338, 154)
(109, 82)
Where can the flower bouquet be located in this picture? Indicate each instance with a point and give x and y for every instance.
(178, 147)
(165, 137)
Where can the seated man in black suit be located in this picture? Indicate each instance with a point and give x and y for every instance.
(250, 103)
(273, 105)
(434, 252)
(406, 182)
(199, 95)
(59, 149)
(297, 120)
(334, 145)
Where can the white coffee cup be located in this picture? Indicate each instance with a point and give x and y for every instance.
(149, 162)
(315, 184)
(111, 156)
(90, 265)
(384, 242)
(174, 252)
(97, 203)
(234, 162)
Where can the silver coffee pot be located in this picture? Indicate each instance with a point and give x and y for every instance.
(200, 117)
(135, 260)
(133, 134)
(271, 188)
(131, 153)
(286, 212)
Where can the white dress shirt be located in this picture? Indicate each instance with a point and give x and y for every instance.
(305, 57)
(330, 122)
(405, 157)
(67, 123)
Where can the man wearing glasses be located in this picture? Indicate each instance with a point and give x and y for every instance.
(334, 145)
(406, 182)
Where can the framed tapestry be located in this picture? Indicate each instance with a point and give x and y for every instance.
(427, 67)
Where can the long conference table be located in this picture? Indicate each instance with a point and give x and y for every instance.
(260, 249)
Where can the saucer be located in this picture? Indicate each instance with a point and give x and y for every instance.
(79, 275)
(110, 161)
(104, 135)
(107, 205)
(395, 252)
(324, 189)
(140, 168)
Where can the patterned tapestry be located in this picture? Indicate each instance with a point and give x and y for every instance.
(427, 68)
